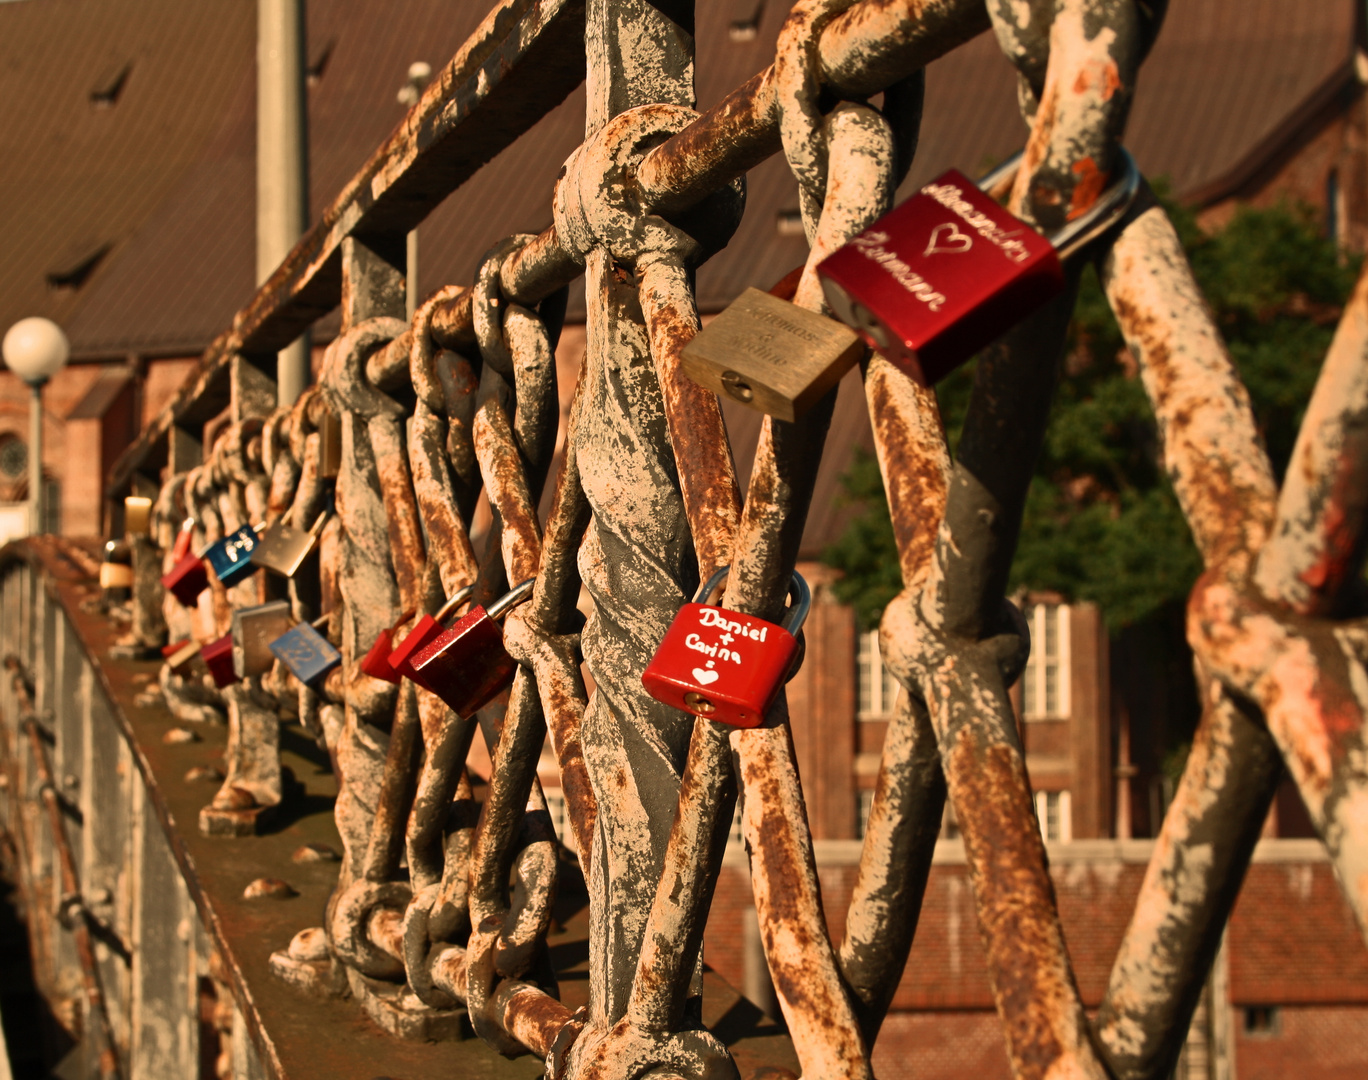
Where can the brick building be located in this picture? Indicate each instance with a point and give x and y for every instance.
(127, 216)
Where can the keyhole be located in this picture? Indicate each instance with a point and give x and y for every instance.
(736, 386)
(698, 703)
(869, 324)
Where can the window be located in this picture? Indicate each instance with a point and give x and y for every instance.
(790, 223)
(877, 689)
(13, 458)
(560, 820)
(1053, 811)
(1262, 1022)
(1334, 208)
(1045, 683)
(949, 823)
(865, 804)
(736, 836)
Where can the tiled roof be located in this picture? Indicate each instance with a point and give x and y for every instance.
(77, 175)
(164, 178)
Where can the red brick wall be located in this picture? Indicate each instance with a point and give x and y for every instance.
(1324, 1042)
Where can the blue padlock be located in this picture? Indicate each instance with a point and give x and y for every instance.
(306, 652)
(231, 557)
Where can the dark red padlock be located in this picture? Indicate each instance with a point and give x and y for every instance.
(218, 658)
(950, 270)
(376, 662)
(427, 629)
(468, 664)
(187, 579)
(724, 665)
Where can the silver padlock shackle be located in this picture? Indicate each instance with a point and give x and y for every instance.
(457, 599)
(800, 598)
(516, 595)
(1097, 219)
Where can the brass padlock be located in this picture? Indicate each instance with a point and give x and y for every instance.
(137, 515)
(284, 548)
(330, 446)
(771, 355)
(116, 571)
(180, 654)
(254, 629)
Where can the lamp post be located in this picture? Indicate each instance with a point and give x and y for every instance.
(35, 349)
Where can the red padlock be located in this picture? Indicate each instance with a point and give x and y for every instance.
(423, 634)
(218, 658)
(468, 664)
(724, 665)
(376, 662)
(183, 540)
(949, 271)
(187, 579)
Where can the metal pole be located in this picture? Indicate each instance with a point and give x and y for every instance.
(282, 162)
(35, 458)
(411, 274)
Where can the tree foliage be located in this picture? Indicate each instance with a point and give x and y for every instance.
(1101, 520)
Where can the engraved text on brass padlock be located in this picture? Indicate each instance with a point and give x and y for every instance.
(771, 355)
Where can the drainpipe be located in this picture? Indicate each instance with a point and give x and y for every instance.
(282, 162)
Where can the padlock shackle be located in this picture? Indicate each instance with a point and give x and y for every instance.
(1097, 219)
(800, 598)
(459, 598)
(513, 597)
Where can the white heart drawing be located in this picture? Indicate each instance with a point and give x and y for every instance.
(703, 676)
(957, 242)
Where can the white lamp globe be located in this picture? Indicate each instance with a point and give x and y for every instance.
(35, 349)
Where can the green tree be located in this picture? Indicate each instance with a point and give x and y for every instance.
(1101, 520)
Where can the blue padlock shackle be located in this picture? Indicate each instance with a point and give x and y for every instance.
(458, 598)
(800, 598)
(516, 595)
(1094, 221)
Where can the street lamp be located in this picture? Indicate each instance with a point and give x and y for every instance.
(35, 349)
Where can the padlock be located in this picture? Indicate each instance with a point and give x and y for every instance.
(724, 665)
(283, 548)
(184, 539)
(949, 271)
(330, 446)
(116, 570)
(137, 515)
(771, 355)
(376, 662)
(468, 664)
(231, 557)
(306, 652)
(179, 655)
(218, 658)
(187, 579)
(400, 660)
(253, 630)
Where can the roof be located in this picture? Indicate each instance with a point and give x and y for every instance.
(105, 107)
(146, 202)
